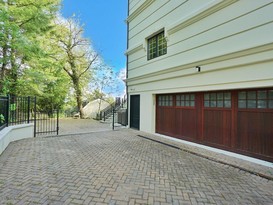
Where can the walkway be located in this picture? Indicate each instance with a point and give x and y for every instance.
(119, 167)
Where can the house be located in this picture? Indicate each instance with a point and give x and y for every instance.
(202, 71)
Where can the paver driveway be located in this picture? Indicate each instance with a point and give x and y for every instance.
(120, 168)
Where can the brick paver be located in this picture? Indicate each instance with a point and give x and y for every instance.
(72, 126)
(120, 168)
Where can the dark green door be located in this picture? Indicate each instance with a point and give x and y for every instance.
(134, 111)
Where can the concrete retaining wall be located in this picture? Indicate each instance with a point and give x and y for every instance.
(14, 133)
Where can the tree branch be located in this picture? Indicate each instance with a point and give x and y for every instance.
(67, 71)
(89, 65)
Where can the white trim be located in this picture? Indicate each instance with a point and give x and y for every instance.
(231, 154)
(199, 14)
(192, 65)
(141, 8)
(135, 48)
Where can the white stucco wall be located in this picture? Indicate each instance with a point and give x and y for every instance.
(14, 133)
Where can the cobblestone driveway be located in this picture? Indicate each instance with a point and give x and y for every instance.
(120, 168)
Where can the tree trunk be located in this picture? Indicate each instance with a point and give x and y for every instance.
(78, 92)
(14, 73)
(3, 67)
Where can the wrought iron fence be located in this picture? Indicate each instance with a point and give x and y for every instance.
(3, 112)
(16, 110)
(20, 110)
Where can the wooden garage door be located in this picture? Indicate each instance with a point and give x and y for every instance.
(177, 116)
(255, 123)
(217, 118)
(240, 121)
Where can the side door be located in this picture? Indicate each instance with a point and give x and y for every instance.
(134, 111)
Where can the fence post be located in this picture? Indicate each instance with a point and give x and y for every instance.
(28, 109)
(7, 111)
(57, 121)
(35, 123)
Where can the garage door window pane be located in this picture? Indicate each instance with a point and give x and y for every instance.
(270, 103)
(251, 95)
(165, 100)
(227, 96)
(206, 96)
(227, 104)
(242, 103)
(220, 104)
(261, 94)
(261, 103)
(220, 96)
(260, 99)
(185, 100)
(170, 100)
(219, 100)
(251, 104)
(213, 96)
(242, 95)
(270, 94)
(212, 103)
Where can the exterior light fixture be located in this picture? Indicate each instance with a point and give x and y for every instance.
(198, 69)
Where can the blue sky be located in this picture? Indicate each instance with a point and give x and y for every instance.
(104, 26)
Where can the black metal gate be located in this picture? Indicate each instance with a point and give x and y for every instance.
(46, 123)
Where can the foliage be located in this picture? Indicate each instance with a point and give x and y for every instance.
(45, 55)
(24, 22)
(27, 66)
(77, 56)
(2, 118)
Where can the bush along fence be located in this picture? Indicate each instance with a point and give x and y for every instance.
(16, 110)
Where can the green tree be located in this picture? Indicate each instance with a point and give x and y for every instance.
(23, 24)
(76, 55)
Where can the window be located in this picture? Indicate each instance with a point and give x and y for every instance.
(185, 100)
(157, 46)
(165, 100)
(255, 99)
(217, 100)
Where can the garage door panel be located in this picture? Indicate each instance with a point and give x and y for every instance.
(255, 132)
(217, 127)
(187, 123)
(166, 120)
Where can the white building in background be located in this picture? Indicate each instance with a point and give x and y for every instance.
(202, 71)
(93, 108)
